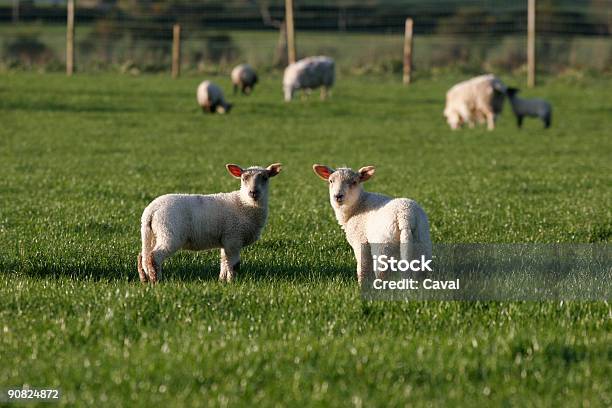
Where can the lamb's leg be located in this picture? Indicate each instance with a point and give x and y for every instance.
(152, 269)
(490, 120)
(141, 272)
(323, 93)
(155, 261)
(363, 255)
(230, 262)
(223, 268)
(519, 121)
(236, 89)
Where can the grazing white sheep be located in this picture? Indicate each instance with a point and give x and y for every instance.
(229, 221)
(244, 77)
(537, 108)
(307, 74)
(369, 218)
(478, 99)
(210, 98)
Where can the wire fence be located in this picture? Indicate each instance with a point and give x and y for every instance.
(363, 37)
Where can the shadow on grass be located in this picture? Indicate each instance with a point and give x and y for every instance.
(42, 106)
(184, 269)
(118, 93)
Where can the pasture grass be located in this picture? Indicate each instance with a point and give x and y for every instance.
(80, 158)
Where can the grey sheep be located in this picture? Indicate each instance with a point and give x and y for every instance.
(537, 108)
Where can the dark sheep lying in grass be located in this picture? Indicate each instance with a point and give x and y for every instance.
(537, 108)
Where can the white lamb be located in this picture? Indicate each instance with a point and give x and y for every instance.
(244, 77)
(479, 99)
(307, 74)
(537, 108)
(369, 219)
(210, 98)
(229, 221)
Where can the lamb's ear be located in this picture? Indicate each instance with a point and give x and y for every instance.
(365, 173)
(274, 169)
(234, 169)
(322, 171)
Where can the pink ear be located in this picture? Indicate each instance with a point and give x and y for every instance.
(365, 173)
(234, 170)
(322, 171)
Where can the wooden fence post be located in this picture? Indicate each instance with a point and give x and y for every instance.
(407, 78)
(15, 13)
(290, 31)
(280, 55)
(531, 46)
(70, 38)
(176, 50)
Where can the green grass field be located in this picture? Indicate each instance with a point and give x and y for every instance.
(80, 158)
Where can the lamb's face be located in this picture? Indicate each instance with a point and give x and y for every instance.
(224, 108)
(254, 185)
(344, 188)
(344, 184)
(254, 182)
(453, 118)
(288, 91)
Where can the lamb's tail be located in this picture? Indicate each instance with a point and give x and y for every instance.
(148, 242)
(414, 234)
